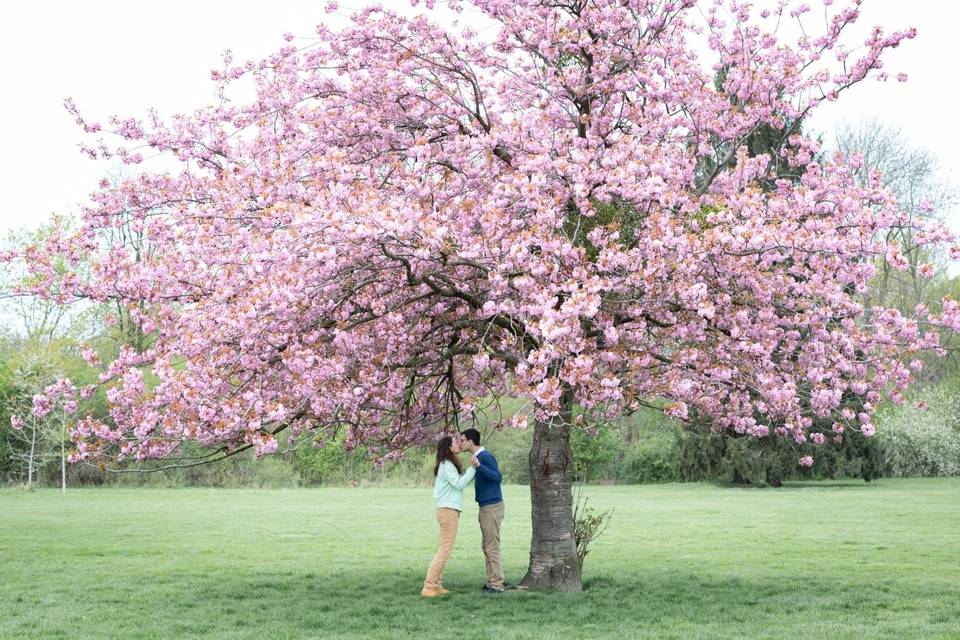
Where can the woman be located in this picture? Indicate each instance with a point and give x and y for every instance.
(448, 497)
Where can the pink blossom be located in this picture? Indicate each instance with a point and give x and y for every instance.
(806, 461)
(760, 431)
(518, 421)
(895, 257)
(481, 362)
(677, 410)
(264, 444)
(42, 405)
(706, 310)
(547, 392)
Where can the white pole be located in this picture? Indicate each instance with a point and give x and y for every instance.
(33, 447)
(63, 457)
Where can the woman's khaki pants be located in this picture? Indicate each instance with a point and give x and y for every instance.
(448, 519)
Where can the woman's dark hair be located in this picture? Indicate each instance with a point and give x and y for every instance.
(445, 452)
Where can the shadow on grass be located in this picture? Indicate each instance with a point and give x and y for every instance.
(826, 485)
(302, 604)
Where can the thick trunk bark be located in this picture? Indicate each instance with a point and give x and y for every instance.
(553, 550)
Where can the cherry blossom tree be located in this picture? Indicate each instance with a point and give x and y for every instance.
(409, 219)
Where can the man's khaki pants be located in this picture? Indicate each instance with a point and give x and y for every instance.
(448, 519)
(491, 516)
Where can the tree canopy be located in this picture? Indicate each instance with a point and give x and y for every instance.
(408, 218)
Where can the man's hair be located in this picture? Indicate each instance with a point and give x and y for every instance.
(472, 435)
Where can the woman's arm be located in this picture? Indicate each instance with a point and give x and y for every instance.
(459, 481)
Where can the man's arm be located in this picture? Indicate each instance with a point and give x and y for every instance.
(488, 468)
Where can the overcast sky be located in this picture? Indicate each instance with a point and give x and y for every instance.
(115, 57)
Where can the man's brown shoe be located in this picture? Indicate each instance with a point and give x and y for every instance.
(432, 592)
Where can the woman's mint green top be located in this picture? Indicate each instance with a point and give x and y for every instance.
(448, 489)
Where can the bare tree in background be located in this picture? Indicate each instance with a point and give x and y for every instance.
(912, 174)
(42, 439)
(43, 336)
(130, 233)
(35, 319)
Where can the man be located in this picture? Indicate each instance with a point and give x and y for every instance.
(490, 499)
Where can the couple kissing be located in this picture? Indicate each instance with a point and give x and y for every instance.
(448, 498)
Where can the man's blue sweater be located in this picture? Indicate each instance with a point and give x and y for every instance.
(487, 480)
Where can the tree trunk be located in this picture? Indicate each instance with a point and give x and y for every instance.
(738, 478)
(553, 550)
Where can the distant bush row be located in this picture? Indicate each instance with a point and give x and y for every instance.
(646, 448)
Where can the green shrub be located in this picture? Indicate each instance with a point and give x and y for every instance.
(743, 459)
(646, 451)
(856, 457)
(593, 454)
(646, 462)
(332, 465)
(922, 442)
(241, 470)
(588, 524)
(512, 450)
(322, 465)
(635, 449)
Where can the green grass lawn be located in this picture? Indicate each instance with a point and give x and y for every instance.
(813, 560)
